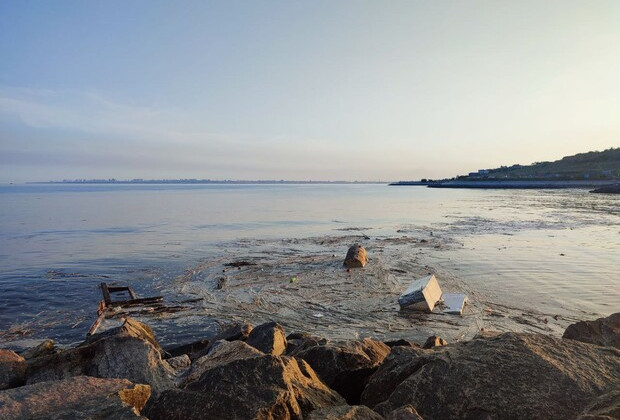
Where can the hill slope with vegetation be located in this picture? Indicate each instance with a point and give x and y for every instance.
(590, 165)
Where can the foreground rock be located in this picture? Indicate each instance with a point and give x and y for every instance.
(45, 348)
(603, 331)
(268, 338)
(345, 412)
(129, 352)
(511, 376)
(223, 352)
(346, 367)
(265, 387)
(12, 369)
(76, 398)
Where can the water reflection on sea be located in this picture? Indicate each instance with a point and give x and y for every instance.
(558, 250)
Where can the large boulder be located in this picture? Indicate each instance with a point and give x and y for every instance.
(12, 369)
(221, 353)
(605, 407)
(511, 376)
(603, 331)
(345, 412)
(268, 338)
(129, 328)
(123, 353)
(80, 397)
(265, 387)
(298, 342)
(345, 367)
(407, 412)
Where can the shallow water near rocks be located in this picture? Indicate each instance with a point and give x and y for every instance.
(529, 260)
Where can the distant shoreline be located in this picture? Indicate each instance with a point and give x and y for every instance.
(510, 184)
(200, 181)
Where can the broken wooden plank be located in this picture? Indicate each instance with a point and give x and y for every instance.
(106, 293)
(421, 295)
(101, 316)
(140, 301)
(454, 303)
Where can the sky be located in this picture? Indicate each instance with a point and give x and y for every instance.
(302, 90)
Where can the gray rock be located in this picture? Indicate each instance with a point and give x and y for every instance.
(434, 341)
(297, 342)
(111, 355)
(193, 350)
(222, 352)
(511, 376)
(345, 412)
(603, 331)
(407, 412)
(401, 342)
(180, 362)
(45, 348)
(605, 407)
(265, 387)
(268, 338)
(80, 397)
(12, 369)
(345, 367)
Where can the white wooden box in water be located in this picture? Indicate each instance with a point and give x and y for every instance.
(454, 303)
(421, 295)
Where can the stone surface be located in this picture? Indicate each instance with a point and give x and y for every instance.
(80, 397)
(129, 328)
(434, 341)
(344, 412)
(268, 338)
(222, 352)
(297, 342)
(356, 257)
(193, 350)
(605, 407)
(12, 369)
(603, 331)
(407, 412)
(511, 376)
(46, 347)
(401, 342)
(180, 362)
(398, 366)
(234, 332)
(265, 387)
(119, 353)
(346, 367)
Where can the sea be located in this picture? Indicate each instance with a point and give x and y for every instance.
(558, 250)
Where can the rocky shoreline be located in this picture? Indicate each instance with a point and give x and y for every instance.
(261, 373)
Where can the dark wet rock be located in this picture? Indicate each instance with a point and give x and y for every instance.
(511, 376)
(80, 397)
(398, 366)
(193, 350)
(401, 342)
(12, 369)
(346, 367)
(46, 347)
(265, 387)
(119, 354)
(344, 412)
(605, 407)
(180, 362)
(238, 264)
(356, 257)
(407, 412)
(297, 342)
(234, 332)
(434, 341)
(221, 353)
(268, 338)
(603, 331)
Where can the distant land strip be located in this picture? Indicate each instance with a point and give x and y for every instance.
(195, 181)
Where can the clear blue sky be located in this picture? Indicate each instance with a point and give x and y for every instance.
(373, 90)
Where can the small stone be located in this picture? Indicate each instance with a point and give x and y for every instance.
(356, 257)
(434, 341)
(268, 338)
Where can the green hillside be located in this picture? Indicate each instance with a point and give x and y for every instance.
(590, 165)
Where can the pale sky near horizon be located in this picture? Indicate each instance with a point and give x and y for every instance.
(302, 90)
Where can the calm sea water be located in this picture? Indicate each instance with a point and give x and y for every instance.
(556, 249)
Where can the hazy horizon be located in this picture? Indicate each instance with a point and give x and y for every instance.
(321, 90)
